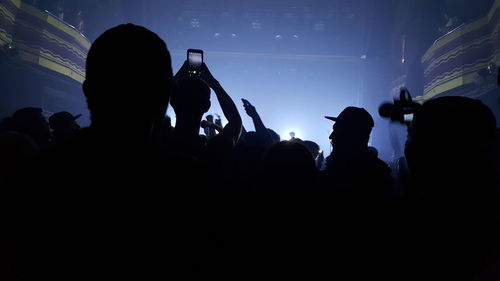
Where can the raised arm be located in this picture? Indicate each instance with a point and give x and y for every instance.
(183, 71)
(260, 128)
(233, 127)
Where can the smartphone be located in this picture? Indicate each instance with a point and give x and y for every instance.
(195, 58)
(408, 117)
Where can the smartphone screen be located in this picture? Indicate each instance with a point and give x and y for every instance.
(408, 117)
(195, 58)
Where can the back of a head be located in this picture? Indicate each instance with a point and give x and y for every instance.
(451, 135)
(128, 75)
(27, 117)
(191, 96)
(30, 121)
(289, 167)
(449, 145)
(62, 121)
(312, 147)
(258, 140)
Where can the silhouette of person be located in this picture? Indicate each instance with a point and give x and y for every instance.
(450, 151)
(217, 126)
(288, 172)
(360, 185)
(352, 171)
(209, 131)
(107, 206)
(261, 130)
(64, 127)
(232, 130)
(190, 101)
(312, 147)
(30, 121)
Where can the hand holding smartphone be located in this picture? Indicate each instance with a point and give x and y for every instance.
(194, 65)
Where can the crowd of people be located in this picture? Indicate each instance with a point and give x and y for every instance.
(132, 196)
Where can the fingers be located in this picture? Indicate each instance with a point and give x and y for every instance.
(204, 68)
(246, 103)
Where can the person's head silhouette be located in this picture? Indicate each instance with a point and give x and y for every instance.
(128, 80)
(63, 121)
(30, 121)
(351, 131)
(312, 147)
(451, 139)
(191, 97)
(190, 100)
(288, 168)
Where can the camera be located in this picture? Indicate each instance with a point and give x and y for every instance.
(402, 109)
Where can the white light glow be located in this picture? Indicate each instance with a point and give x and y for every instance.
(286, 134)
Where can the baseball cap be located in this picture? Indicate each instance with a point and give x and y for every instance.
(59, 119)
(354, 117)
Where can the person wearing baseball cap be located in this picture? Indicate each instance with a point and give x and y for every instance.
(358, 184)
(64, 127)
(63, 119)
(352, 128)
(351, 170)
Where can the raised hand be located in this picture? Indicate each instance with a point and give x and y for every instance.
(249, 108)
(207, 76)
(183, 71)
